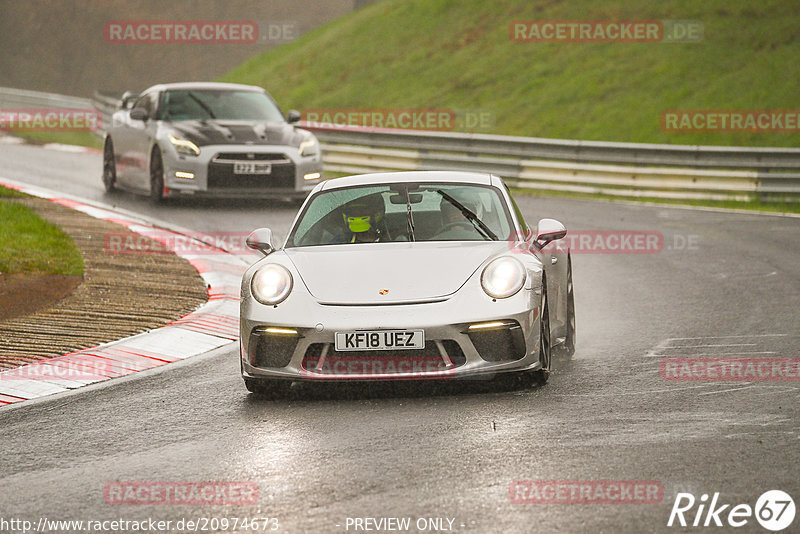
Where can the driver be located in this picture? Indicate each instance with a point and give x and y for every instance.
(362, 217)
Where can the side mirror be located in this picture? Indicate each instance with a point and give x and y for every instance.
(128, 99)
(548, 230)
(261, 239)
(293, 116)
(138, 114)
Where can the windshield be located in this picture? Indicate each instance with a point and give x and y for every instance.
(403, 212)
(204, 104)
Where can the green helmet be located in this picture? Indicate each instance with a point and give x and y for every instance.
(363, 214)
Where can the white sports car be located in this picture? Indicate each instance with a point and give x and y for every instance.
(409, 275)
(209, 139)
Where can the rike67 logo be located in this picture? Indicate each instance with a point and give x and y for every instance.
(774, 510)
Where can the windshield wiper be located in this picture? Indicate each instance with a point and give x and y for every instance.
(202, 104)
(410, 217)
(470, 215)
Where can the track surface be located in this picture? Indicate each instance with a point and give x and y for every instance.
(326, 454)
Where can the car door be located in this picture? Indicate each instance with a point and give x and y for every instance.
(140, 140)
(118, 134)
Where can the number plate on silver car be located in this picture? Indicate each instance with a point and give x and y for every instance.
(380, 340)
(252, 168)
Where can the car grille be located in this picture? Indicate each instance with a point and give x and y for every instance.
(499, 344)
(422, 361)
(223, 157)
(221, 175)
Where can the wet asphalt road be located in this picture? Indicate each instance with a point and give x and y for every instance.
(724, 284)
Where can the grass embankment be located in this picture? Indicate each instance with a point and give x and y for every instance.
(457, 54)
(30, 244)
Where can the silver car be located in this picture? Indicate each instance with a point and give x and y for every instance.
(408, 275)
(209, 139)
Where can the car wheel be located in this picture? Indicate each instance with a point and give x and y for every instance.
(109, 167)
(268, 388)
(567, 348)
(540, 376)
(156, 177)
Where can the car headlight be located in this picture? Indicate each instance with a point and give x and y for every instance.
(309, 146)
(184, 146)
(503, 277)
(271, 284)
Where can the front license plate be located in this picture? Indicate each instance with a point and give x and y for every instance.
(252, 168)
(380, 340)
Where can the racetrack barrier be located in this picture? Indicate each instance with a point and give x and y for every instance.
(610, 168)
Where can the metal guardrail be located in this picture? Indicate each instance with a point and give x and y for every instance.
(106, 105)
(21, 98)
(621, 169)
(24, 99)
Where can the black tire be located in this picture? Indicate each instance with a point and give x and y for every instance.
(567, 348)
(540, 376)
(156, 177)
(273, 389)
(109, 167)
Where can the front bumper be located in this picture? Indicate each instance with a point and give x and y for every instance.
(270, 350)
(211, 174)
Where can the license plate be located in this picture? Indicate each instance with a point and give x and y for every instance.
(252, 168)
(380, 340)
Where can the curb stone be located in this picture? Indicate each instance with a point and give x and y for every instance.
(215, 324)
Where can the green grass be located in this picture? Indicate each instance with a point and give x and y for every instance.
(66, 138)
(10, 193)
(29, 243)
(457, 54)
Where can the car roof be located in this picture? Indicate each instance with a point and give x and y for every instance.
(477, 178)
(219, 86)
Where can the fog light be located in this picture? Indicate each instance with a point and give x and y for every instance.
(493, 324)
(279, 331)
(311, 176)
(181, 174)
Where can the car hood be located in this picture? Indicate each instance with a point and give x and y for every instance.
(407, 272)
(221, 132)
